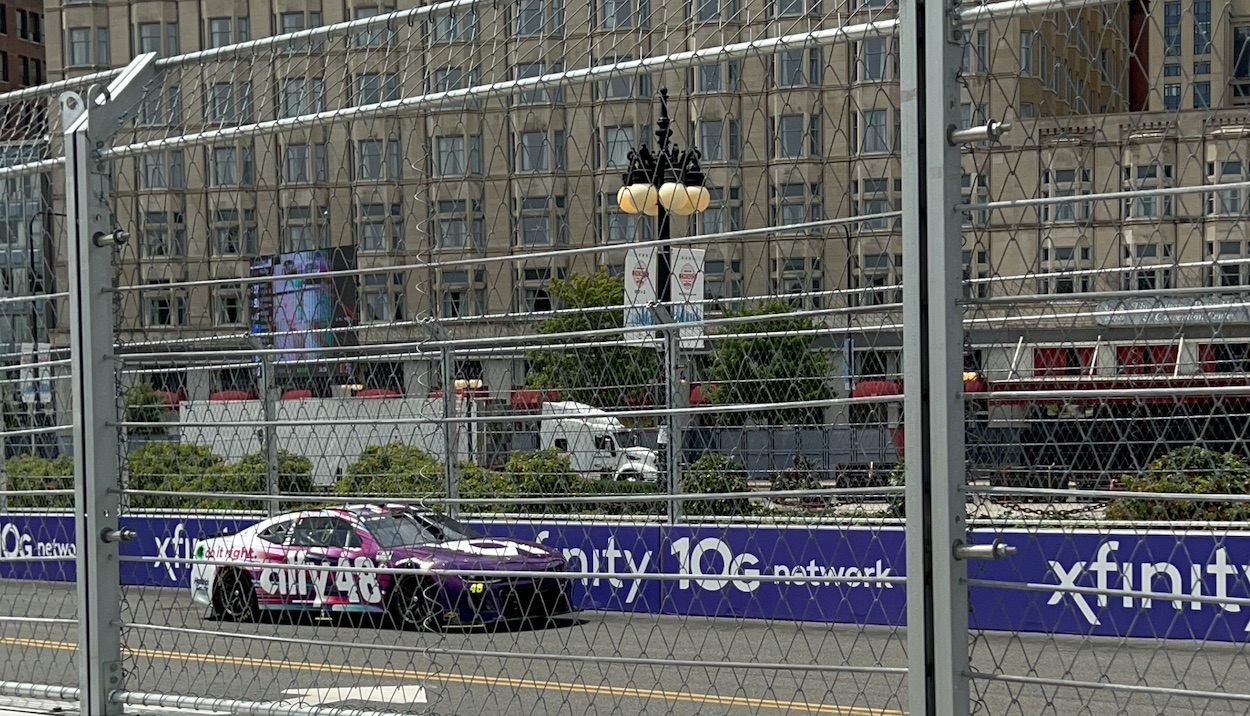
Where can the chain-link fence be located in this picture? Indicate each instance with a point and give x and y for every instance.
(517, 357)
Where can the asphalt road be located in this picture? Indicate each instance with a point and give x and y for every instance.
(599, 663)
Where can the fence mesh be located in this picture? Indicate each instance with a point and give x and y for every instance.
(345, 285)
(1105, 244)
(390, 264)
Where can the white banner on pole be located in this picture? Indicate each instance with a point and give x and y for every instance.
(36, 382)
(686, 288)
(640, 291)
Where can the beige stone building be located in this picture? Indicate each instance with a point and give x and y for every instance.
(446, 204)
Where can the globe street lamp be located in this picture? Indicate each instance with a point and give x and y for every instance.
(665, 183)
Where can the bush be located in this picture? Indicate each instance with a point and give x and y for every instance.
(27, 472)
(898, 500)
(1190, 471)
(477, 482)
(248, 476)
(715, 473)
(145, 405)
(622, 487)
(394, 469)
(543, 472)
(169, 467)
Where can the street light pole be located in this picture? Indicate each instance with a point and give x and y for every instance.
(665, 183)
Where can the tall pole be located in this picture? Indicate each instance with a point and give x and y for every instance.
(670, 344)
(270, 439)
(90, 122)
(450, 447)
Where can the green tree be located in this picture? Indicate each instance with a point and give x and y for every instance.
(781, 367)
(603, 376)
(247, 476)
(144, 404)
(1187, 471)
(395, 469)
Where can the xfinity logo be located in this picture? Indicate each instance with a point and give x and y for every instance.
(179, 545)
(1160, 579)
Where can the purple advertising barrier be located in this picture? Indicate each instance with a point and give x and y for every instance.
(854, 570)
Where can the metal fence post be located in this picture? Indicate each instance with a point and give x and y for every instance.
(269, 407)
(450, 447)
(89, 123)
(672, 457)
(937, 599)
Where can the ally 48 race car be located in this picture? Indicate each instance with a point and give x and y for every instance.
(300, 552)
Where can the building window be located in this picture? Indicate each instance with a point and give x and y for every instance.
(722, 283)
(1150, 266)
(719, 139)
(233, 166)
(798, 276)
(1146, 360)
(1066, 268)
(974, 189)
(617, 143)
(1226, 202)
(1062, 361)
(1224, 357)
(166, 307)
(289, 22)
(1241, 61)
(535, 18)
(383, 297)
(378, 160)
(875, 60)
(621, 14)
(540, 221)
(614, 226)
(538, 96)
(79, 46)
(723, 214)
(789, 8)
(877, 278)
(380, 228)
(454, 156)
(161, 170)
(375, 88)
(231, 308)
(450, 79)
(1202, 95)
(798, 68)
(715, 10)
(536, 152)
(230, 103)
(305, 228)
(1171, 97)
(456, 227)
(797, 136)
(234, 233)
(150, 37)
(224, 31)
(531, 283)
(1171, 29)
(163, 238)
(625, 86)
(375, 36)
(795, 203)
(976, 274)
(303, 96)
(153, 110)
(1227, 267)
(297, 164)
(1060, 183)
(872, 128)
(720, 77)
(1027, 59)
(459, 26)
(1202, 27)
(462, 293)
(1144, 177)
(871, 198)
(976, 52)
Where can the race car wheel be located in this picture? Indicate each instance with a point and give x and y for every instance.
(413, 605)
(235, 597)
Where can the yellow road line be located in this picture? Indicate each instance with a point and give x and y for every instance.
(469, 679)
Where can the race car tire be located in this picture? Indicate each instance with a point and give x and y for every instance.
(414, 606)
(234, 597)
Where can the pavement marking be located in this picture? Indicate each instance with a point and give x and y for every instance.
(476, 680)
(407, 694)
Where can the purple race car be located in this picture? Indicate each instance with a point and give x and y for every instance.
(378, 536)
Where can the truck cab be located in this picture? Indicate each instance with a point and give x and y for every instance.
(597, 443)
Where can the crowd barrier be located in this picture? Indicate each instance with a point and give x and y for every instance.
(1162, 584)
